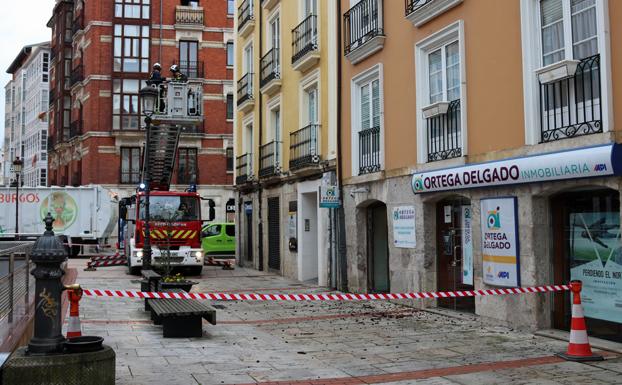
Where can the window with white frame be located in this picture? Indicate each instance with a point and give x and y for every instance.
(440, 118)
(230, 54)
(367, 135)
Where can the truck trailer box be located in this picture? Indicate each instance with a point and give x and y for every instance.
(86, 213)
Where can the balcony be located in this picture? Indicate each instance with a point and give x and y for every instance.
(305, 53)
(186, 16)
(270, 81)
(269, 4)
(420, 12)
(363, 30)
(369, 150)
(77, 75)
(571, 106)
(192, 69)
(244, 169)
(246, 19)
(270, 159)
(304, 148)
(246, 100)
(444, 132)
(75, 128)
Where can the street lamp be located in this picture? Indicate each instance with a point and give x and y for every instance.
(148, 96)
(17, 169)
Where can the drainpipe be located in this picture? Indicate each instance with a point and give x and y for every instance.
(342, 263)
(259, 100)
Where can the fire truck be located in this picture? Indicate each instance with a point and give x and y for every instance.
(174, 216)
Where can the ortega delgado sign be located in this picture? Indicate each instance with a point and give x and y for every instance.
(582, 163)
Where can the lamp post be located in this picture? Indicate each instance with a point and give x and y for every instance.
(17, 168)
(148, 96)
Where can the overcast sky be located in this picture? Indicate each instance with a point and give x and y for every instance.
(21, 23)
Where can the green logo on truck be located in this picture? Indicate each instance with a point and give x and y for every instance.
(62, 207)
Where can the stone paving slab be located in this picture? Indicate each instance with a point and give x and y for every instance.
(319, 342)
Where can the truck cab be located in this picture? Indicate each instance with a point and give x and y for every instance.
(175, 231)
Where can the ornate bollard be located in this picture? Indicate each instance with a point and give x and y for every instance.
(47, 253)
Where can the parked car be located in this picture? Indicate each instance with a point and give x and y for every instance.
(218, 240)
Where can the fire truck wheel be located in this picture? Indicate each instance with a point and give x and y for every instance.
(134, 270)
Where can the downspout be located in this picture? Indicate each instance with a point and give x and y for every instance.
(342, 263)
(259, 100)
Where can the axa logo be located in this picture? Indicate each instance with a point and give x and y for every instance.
(493, 221)
(418, 183)
(503, 275)
(600, 167)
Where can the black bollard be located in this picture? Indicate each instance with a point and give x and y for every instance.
(47, 253)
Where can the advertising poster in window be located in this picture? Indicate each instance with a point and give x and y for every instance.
(596, 259)
(404, 227)
(467, 246)
(500, 241)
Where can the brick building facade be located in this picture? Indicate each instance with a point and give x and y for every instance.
(101, 54)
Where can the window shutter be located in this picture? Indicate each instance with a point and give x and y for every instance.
(551, 11)
(365, 118)
(375, 103)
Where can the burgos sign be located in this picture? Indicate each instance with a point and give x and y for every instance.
(582, 163)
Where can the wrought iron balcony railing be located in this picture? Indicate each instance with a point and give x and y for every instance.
(444, 134)
(245, 13)
(192, 69)
(243, 168)
(304, 147)
(369, 150)
(270, 159)
(245, 88)
(572, 106)
(414, 5)
(77, 74)
(270, 68)
(304, 38)
(362, 23)
(188, 15)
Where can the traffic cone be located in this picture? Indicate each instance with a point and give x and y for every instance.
(579, 348)
(73, 328)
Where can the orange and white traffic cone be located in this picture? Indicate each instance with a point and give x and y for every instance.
(73, 328)
(579, 348)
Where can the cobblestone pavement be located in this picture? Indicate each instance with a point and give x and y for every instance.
(320, 343)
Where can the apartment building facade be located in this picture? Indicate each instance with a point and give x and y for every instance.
(103, 53)
(286, 136)
(480, 150)
(25, 119)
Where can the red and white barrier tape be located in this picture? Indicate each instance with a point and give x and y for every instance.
(114, 262)
(319, 297)
(107, 257)
(222, 262)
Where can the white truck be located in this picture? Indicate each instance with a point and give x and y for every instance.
(82, 215)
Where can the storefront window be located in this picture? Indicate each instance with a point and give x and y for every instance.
(590, 251)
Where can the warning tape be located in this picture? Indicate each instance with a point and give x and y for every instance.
(114, 262)
(221, 262)
(107, 257)
(320, 297)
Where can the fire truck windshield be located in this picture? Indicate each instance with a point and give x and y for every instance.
(171, 208)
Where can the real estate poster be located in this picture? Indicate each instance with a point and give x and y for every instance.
(500, 241)
(467, 245)
(596, 260)
(404, 227)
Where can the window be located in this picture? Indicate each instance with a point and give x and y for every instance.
(230, 230)
(230, 7)
(126, 104)
(187, 163)
(444, 73)
(370, 104)
(131, 48)
(309, 8)
(213, 230)
(569, 30)
(188, 62)
(45, 67)
(132, 9)
(312, 105)
(229, 106)
(230, 54)
(229, 155)
(130, 165)
(248, 59)
(367, 133)
(275, 122)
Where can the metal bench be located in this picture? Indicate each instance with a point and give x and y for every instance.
(150, 282)
(181, 317)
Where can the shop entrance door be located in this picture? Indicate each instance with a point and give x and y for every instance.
(587, 247)
(377, 249)
(452, 237)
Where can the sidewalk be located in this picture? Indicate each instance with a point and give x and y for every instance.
(319, 342)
